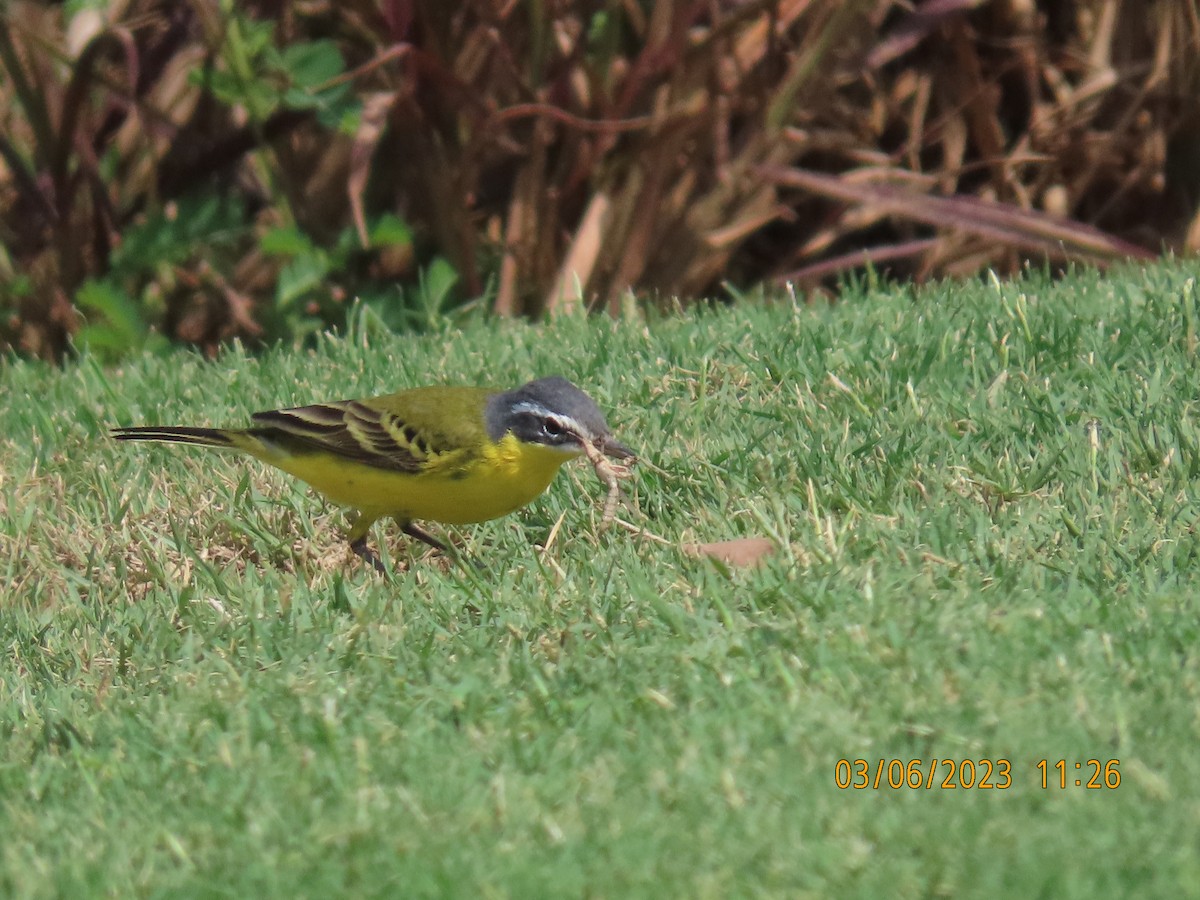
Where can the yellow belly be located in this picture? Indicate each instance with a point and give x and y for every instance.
(505, 477)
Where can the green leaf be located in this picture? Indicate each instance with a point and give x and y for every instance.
(435, 291)
(389, 231)
(286, 241)
(193, 223)
(301, 275)
(313, 64)
(114, 319)
(439, 279)
(259, 97)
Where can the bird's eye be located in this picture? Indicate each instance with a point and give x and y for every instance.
(552, 427)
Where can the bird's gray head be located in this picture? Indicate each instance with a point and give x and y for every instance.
(552, 412)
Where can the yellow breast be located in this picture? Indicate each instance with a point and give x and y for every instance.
(500, 478)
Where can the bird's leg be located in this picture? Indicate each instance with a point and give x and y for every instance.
(360, 547)
(414, 531)
(358, 542)
(449, 549)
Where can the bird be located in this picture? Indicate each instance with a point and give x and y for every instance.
(442, 453)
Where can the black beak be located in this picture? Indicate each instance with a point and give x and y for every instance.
(614, 449)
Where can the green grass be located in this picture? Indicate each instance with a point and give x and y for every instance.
(985, 500)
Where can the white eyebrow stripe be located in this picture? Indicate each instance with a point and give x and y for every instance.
(537, 409)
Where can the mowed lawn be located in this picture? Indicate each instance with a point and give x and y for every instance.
(984, 502)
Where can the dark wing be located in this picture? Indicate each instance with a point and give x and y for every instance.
(408, 431)
(351, 430)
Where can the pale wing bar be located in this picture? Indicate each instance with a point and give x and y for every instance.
(348, 429)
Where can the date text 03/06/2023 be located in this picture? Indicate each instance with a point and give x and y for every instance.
(972, 774)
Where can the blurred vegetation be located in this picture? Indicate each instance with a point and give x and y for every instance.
(198, 170)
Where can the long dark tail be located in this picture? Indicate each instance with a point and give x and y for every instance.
(206, 437)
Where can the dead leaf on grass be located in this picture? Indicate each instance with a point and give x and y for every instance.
(738, 552)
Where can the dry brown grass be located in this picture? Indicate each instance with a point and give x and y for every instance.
(564, 159)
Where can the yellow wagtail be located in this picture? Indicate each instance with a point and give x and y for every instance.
(447, 454)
